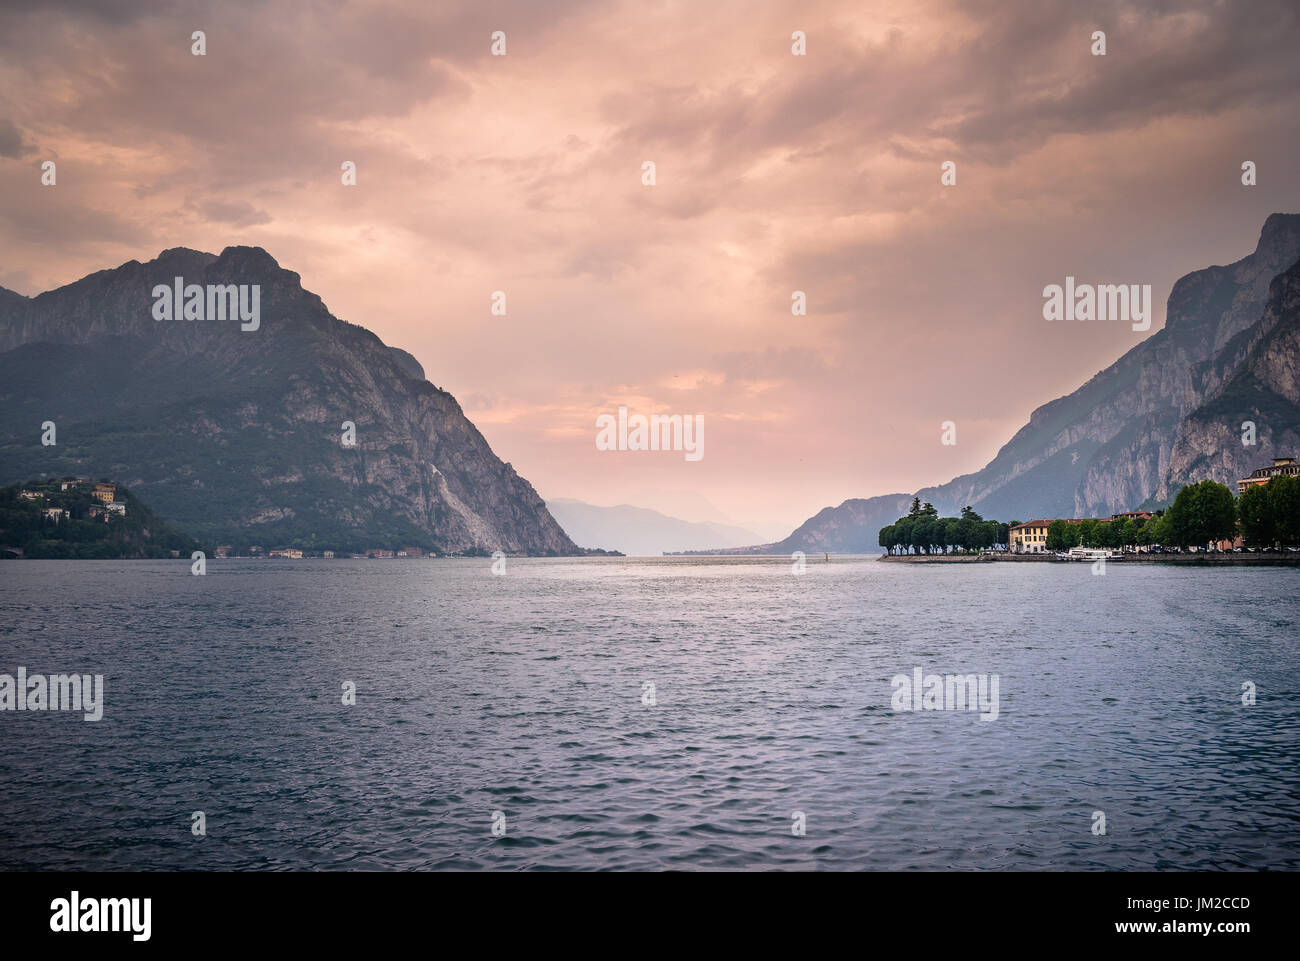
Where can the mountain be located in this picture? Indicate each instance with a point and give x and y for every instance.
(851, 528)
(1167, 413)
(1258, 381)
(237, 436)
(1107, 446)
(638, 530)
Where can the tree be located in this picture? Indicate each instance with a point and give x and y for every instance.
(1129, 536)
(915, 509)
(1162, 530)
(1284, 499)
(1087, 532)
(969, 515)
(1056, 535)
(1146, 535)
(1180, 517)
(886, 539)
(903, 533)
(1201, 513)
(1110, 534)
(923, 532)
(1255, 513)
(943, 533)
(1218, 511)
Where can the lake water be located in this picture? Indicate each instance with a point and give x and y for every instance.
(523, 694)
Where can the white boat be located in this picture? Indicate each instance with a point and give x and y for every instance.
(1091, 553)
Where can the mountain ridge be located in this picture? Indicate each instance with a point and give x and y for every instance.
(238, 435)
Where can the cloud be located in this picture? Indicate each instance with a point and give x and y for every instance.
(11, 141)
(234, 213)
(775, 173)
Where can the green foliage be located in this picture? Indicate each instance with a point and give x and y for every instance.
(1087, 532)
(1202, 513)
(1270, 513)
(1255, 513)
(1129, 536)
(1284, 500)
(922, 531)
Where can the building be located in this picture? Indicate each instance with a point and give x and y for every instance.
(104, 492)
(328, 555)
(116, 507)
(1138, 517)
(290, 552)
(223, 550)
(1282, 466)
(30, 495)
(55, 514)
(1029, 537)
(378, 552)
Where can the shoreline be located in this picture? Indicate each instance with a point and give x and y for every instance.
(1260, 559)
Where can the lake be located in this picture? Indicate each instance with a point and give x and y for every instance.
(521, 704)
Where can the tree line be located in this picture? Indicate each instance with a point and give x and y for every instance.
(923, 531)
(1266, 516)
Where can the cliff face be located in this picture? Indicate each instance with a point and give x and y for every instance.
(1109, 445)
(237, 435)
(1256, 379)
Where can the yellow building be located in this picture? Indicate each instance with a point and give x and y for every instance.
(1281, 466)
(1029, 537)
(105, 492)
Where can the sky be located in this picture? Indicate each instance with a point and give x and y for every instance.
(773, 173)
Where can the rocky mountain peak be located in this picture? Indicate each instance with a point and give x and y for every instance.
(237, 433)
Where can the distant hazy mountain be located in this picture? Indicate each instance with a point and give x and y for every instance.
(235, 435)
(1169, 412)
(638, 530)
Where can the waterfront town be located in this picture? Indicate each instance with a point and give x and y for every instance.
(1204, 518)
(293, 553)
